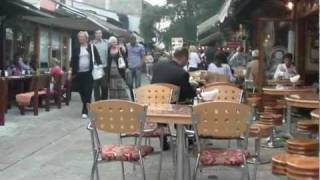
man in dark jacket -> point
(172, 72)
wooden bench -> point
(39, 88)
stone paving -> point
(56, 146)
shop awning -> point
(224, 11)
(211, 22)
(207, 25)
(209, 39)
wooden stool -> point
(306, 147)
(271, 119)
(259, 131)
(302, 167)
(309, 127)
(279, 163)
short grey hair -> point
(85, 33)
(113, 39)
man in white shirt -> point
(287, 69)
(100, 85)
(194, 59)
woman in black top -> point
(82, 66)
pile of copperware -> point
(306, 147)
(300, 162)
(272, 115)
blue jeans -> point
(134, 76)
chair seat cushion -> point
(220, 156)
(124, 152)
(152, 133)
(25, 98)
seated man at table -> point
(172, 72)
(287, 69)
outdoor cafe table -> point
(180, 115)
(310, 101)
(287, 90)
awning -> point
(207, 25)
(211, 22)
(64, 22)
(224, 11)
(209, 39)
(94, 23)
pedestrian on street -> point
(116, 74)
(82, 66)
(136, 54)
(100, 85)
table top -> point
(18, 77)
(169, 113)
(310, 100)
(287, 90)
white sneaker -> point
(84, 116)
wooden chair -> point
(3, 99)
(227, 93)
(175, 91)
(39, 88)
(154, 94)
(117, 116)
(222, 120)
(214, 78)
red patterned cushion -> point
(124, 152)
(153, 133)
(220, 156)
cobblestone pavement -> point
(56, 146)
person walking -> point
(115, 73)
(100, 85)
(136, 54)
(149, 63)
(82, 66)
(194, 59)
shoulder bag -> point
(121, 62)
(97, 71)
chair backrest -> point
(222, 119)
(153, 94)
(215, 77)
(118, 116)
(40, 82)
(227, 93)
(175, 91)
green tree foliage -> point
(184, 15)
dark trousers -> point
(85, 89)
(100, 87)
(193, 69)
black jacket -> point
(170, 72)
(74, 64)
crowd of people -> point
(122, 65)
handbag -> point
(97, 71)
(121, 62)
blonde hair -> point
(113, 39)
(193, 49)
(84, 33)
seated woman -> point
(217, 66)
(287, 69)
